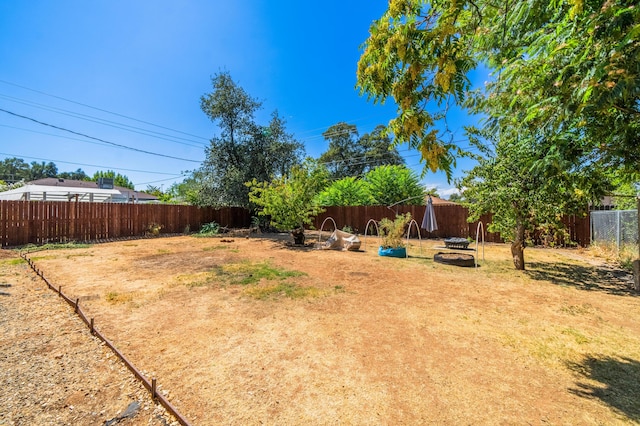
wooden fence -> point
(451, 218)
(41, 222)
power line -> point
(98, 139)
(89, 165)
(102, 110)
(104, 122)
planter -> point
(393, 252)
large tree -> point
(527, 185)
(351, 155)
(379, 149)
(345, 156)
(244, 150)
(14, 169)
(573, 63)
(393, 184)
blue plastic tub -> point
(393, 252)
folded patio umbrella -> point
(429, 220)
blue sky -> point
(132, 73)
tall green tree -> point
(527, 184)
(244, 150)
(351, 155)
(349, 191)
(392, 184)
(14, 170)
(379, 149)
(42, 170)
(345, 156)
(571, 62)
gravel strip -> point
(52, 370)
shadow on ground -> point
(617, 383)
(592, 278)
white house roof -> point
(57, 193)
(56, 189)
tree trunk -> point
(298, 236)
(517, 248)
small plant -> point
(347, 229)
(393, 230)
(154, 229)
(211, 228)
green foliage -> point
(79, 174)
(571, 66)
(290, 201)
(392, 231)
(349, 191)
(527, 184)
(118, 179)
(251, 273)
(185, 192)
(211, 228)
(14, 170)
(383, 185)
(350, 155)
(391, 184)
(244, 151)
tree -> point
(79, 174)
(118, 179)
(42, 170)
(13, 170)
(391, 184)
(525, 185)
(229, 105)
(570, 62)
(244, 151)
(345, 156)
(379, 149)
(349, 191)
(290, 200)
(350, 155)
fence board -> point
(41, 222)
(451, 219)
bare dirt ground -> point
(351, 338)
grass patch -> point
(12, 262)
(164, 251)
(114, 297)
(283, 289)
(36, 258)
(221, 247)
(54, 246)
(251, 273)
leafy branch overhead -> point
(562, 60)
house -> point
(56, 189)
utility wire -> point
(98, 139)
(101, 110)
(104, 122)
(89, 165)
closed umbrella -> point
(429, 220)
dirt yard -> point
(252, 331)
